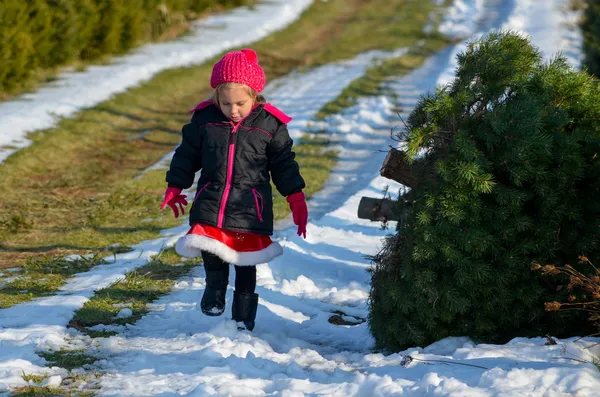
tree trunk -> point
(396, 167)
(374, 209)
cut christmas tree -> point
(506, 175)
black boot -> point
(213, 301)
(244, 308)
(217, 278)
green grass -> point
(75, 384)
(372, 82)
(79, 188)
(67, 359)
(34, 378)
(135, 291)
(41, 276)
(140, 287)
(38, 391)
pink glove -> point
(173, 197)
(299, 211)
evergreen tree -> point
(508, 175)
(65, 27)
(40, 29)
(133, 25)
(88, 19)
(109, 29)
(16, 45)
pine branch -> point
(587, 336)
(571, 358)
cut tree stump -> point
(397, 168)
(374, 209)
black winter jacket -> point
(234, 190)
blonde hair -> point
(250, 91)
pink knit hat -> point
(239, 67)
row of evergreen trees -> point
(48, 33)
(507, 167)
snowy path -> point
(294, 350)
(27, 328)
(75, 91)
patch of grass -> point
(372, 82)
(77, 383)
(33, 378)
(42, 276)
(38, 391)
(15, 224)
(341, 29)
(80, 187)
(139, 288)
(68, 359)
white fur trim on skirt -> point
(191, 245)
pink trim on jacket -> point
(284, 118)
(259, 206)
(257, 129)
(202, 105)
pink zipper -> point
(230, 160)
(259, 208)
(198, 194)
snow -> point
(294, 349)
(74, 91)
(52, 381)
(550, 25)
(461, 18)
(125, 313)
(319, 86)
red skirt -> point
(238, 248)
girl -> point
(239, 142)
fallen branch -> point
(408, 359)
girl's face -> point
(235, 102)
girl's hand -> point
(173, 197)
(299, 211)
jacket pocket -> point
(198, 194)
(259, 203)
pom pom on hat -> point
(239, 67)
(251, 55)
